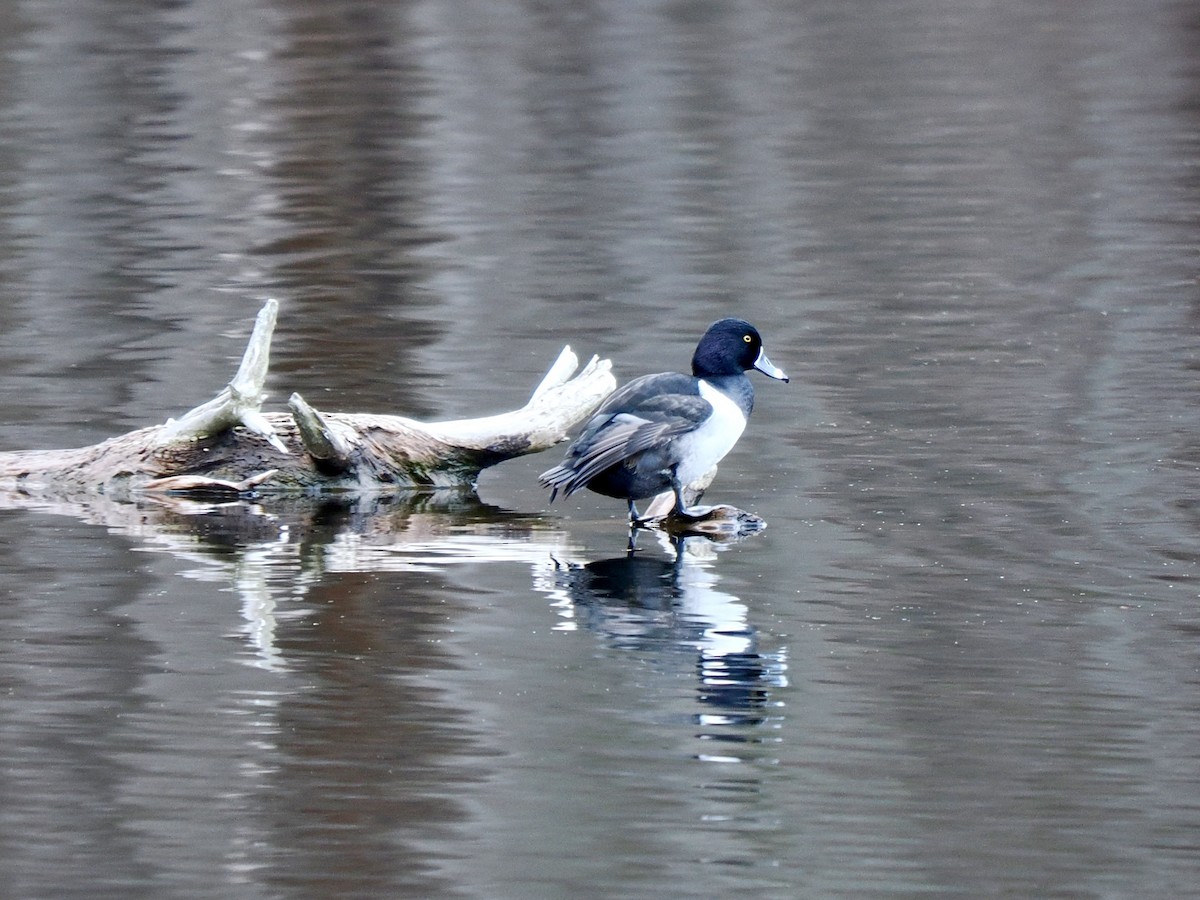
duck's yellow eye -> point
(747, 338)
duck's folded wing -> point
(606, 445)
(620, 438)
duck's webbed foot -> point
(637, 520)
(691, 513)
(667, 505)
(684, 513)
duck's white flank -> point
(703, 448)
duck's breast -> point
(706, 445)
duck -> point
(662, 432)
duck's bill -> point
(768, 368)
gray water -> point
(962, 659)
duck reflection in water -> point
(670, 608)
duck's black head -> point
(730, 347)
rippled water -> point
(961, 660)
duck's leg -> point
(636, 524)
(637, 520)
(682, 510)
(667, 505)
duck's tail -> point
(560, 478)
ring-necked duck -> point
(662, 432)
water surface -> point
(960, 660)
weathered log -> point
(228, 445)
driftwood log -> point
(229, 446)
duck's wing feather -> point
(622, 437)
(644, 413)
(645, 394)
(626, 437)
